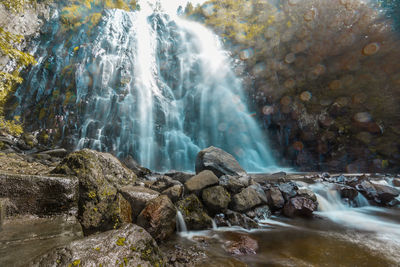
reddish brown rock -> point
(242, 244)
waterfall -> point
(180, 222)
(146, 84)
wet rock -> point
(193, 213)
(218, 161)
(239, 219)
(234, 183)
(288, 190)
(221, 220)
(216, 198)
(260, 213)
(396, 182)
(367, 189)
(260, 192)
(347, 191)
(100, 176)
(174, 192)
(130, 245)
(182, 177)
(40, 195)
(275, 198)
(200, 181)
(58, 153)
(242, 244)
(307, 194)
(385, 193)
(245, 200)
(158, 218)
(138, 197)
(299, 206)
(133, 165)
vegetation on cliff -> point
(322, 75)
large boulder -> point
(219, 162)
(299, 207)
(40, 195)
(385, 194)
(275, 198)
(193, 213)
(200, 181)
(158, 218)
(234, 183)
(130, 245)
(138, 197)
(216, 198)
(100, 175)
(246, 199)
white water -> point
(180, 222)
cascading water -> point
(144, 83)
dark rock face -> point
(242, 244)
(299, 206)
(100, 176)
(234, 183)
(130, 245)
(245, 200)
(218, 161)
(216, 198)
(132, 164)
(200, 181)
(193, 213)
(275, 198)
(180, 176)
(138, 197)
(158, 218)
(174, 192)
(40, 195)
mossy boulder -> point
(216, 198)
(193, 213)
(130, 245)
(100, 176)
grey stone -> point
(303, 192)
(218, 161)
(174, 192)
(200, 181)
(275, 198)
(234, 183)
(245, 200)
(299, 206)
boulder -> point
(134, 166)
(158, 218)
(367, 189)
(245, 200)
(130, 245)
(193, 213)
(347, 191)
(200, 181)
(138, 197)
(385, 194)
(288, 190)
(40, 195)
(218, 161)
(303, 192)
(242, 244)
(180, 176)
(275, 198)
(216, 198)
(101, 176)
(299, 206)
(174, 192)
(238, 219)
(234, 183)
(260, 192)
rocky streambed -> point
(86, 208)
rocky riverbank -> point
(137, 209)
